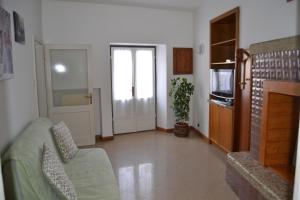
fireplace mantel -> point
(291, 88)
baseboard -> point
(207, 140)
(164, 130)
(203, 137)
(219, 147)
(101, 138)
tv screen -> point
(222, 82)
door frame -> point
(43, 77)
(111, 79)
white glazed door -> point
(133, 81)
(69, 90)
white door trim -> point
(140, 124)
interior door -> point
(69, 90)
(243, 103)
(133, 78)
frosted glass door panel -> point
(122, 74)
(69, 77)
(144, 74)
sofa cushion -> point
(55, 173)
(91, 173)
(64, 141)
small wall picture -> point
(19, 28)
(6, 64)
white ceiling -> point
(185, 5)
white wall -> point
(297, 170)
(260, 20)
(18, 102)
(100, 25)
(161, 86)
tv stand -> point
(222, 103)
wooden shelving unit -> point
(224, 34)
(224, 41)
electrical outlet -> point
(198, 125)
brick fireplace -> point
(267, 171)
(279, 127)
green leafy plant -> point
(181, 92)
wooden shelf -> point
(223, 63)
(224, 43)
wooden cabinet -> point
(221, 126)
(225, 128)
(213, 122)
(182, 61)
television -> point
(222, 83)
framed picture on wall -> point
(6, 64)
(19, 28)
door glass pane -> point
(122, 74)
(69, 77)
(144, 74)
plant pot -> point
(181, 129)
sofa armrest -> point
(11, 181)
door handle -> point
(90, 97)
(132, 91)
(242, 60)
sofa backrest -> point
(22, 169)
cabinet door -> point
(182, 61)
(225, 128)
(213, 122)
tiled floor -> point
(159, 166)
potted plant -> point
(181, 92)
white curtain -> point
(122, 74)
(145, 91)
(144, 74)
